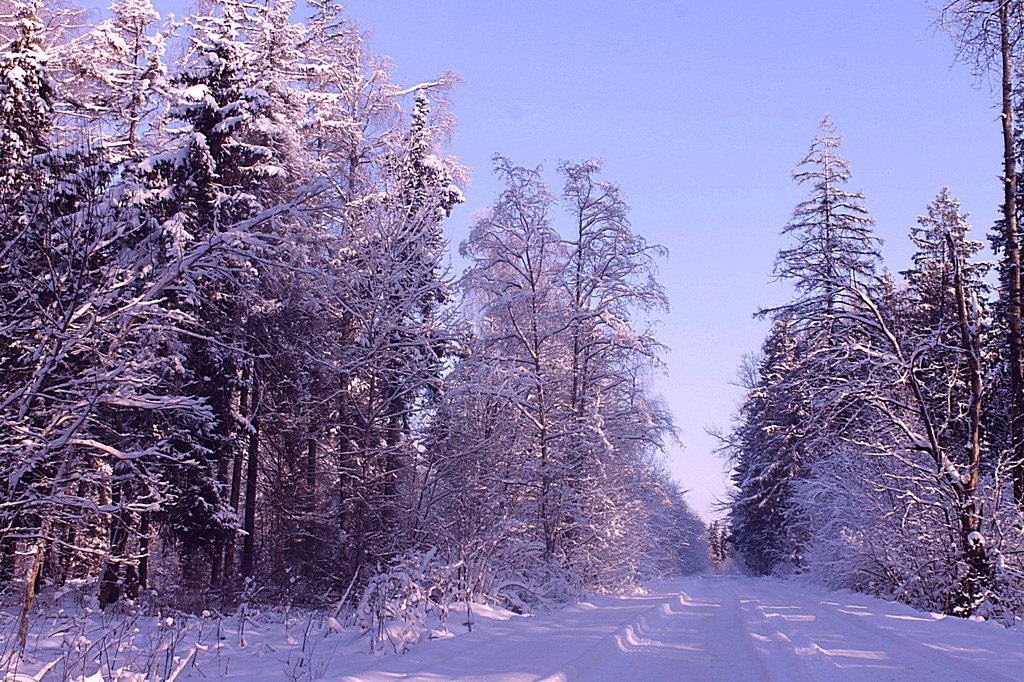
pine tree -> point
(832, 261)
(768, 455)
(946, 333)
(28, 97)
(78, 309)
(933, 318)
(834, 245)
(225, 170)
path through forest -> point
(715, 628)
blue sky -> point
(700, 111)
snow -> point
(699, 628)
(716, 628)
(196, 93)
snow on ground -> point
(718, 628)
(698, 628)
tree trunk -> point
(249, 543)
(1012, 259)
(110, 582)
(236, 484)
(8, 559)
(311, 472)
(976, 555)
(144, 551)
(30, 591)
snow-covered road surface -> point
(714, 628)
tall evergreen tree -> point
(767, 455)
(225, 170)
(834, 254)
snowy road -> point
(715, 628)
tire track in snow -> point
(684, 637)
(847, 646)
(715, 628)
(770, 657)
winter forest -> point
(880, 446)
(240, 376)
(235, 368)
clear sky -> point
(701, 110)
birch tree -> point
(987, 34)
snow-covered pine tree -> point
(948, 288)
(718, 545)
(932, 405)
(767, 454)
(903, 414)
(223, 169)
(28, 99)
(833, 253)
(833, 241)
(422, 188)
(77, 310)
(932, 311)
